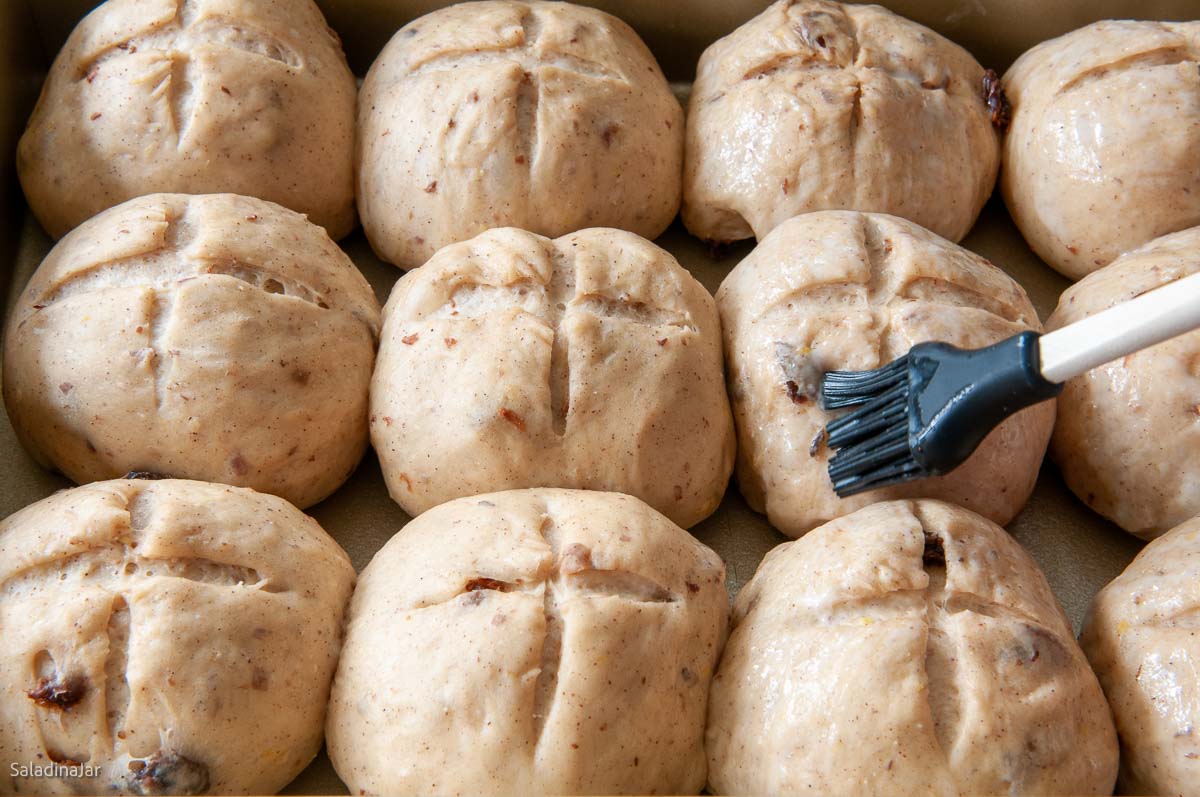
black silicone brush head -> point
(871, 442)
(924, 413)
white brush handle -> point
(1130, 326)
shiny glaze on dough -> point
(909, 648)
(1103, 153)
(845, 290)
(816, 105)
(1142, 634)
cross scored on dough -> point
(171, 42)
(804, 61)
(532, 60)
(830, 47)
(1155, 57)
(558, 299)
(147, 270)
(571, 573)
(945, 647)
(102, 567)
(884, 288)
(881, 289)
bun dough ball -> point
(1104, 149)
(530, 642)
(200, 96)
(1127, 432)
(212, 337)
(546, 116)
(912, 648)
(176, 637)
(845, 290)
(590, 361)
(817, 105)
(1143, 639)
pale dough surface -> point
(179, 636)
(590, 361)
(530, 642)
(213, 337)
(912, 647)
(816, 105)
(198, 96)
(550, 117)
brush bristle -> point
(850, 388)
(925, 413)
(871, 441)
(879, 477)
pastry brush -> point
(924, 413)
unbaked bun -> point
(1142, 635)
(844, 290)
(1104, 149)
(910, 648)
(546, 116)
(817, 105)
(530, 642)
(211, 337)
(175, 637)
(1127, 432)
(199, 96)
(591, 361)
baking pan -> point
(1078, 550)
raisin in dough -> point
(213, 337)
(817, 105)
(178, 636)
(912, 648)
(550, 117)
(199, 96)
(530, 642)
(1142, 635)
(844, 290)
(1104, 149)
(591, 361)
(1127, 432)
